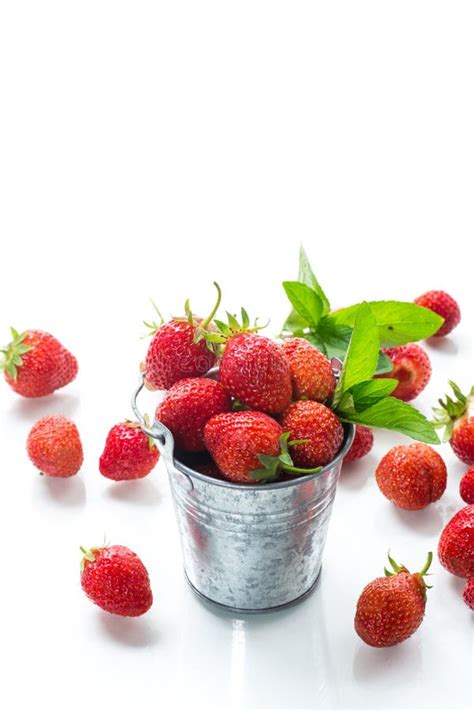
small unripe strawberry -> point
(128, 453)
(468, 594)
(311, 372)
(35, 364)
(466, 487)
(116, 580)
(54, 446)
(362, 444)
(443, 304)
(456, 544)
(319, 426)
(411, 476)
(412, 369)
(186, 408)
(390, 609)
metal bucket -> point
(249, 548)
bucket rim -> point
(349, 433)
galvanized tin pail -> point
(249, 548)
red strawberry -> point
(54, 446)
(412, 369)
(116, 580)
(456, 545)
(312, 421)
(36, 364)
(128, 453)
(468, 594)
(362, 444)
(390, 609)
(311, 371)
(236, 439)
(457, 416)
(466, 487)
(179, 349)
(443, 304)
(186, 408)
(411, 476)
(255, 371)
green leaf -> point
(384, 365)
(361, 359)
(336, 342)
(305, 301)
(371, 391)
(399, 322)
(393, 414)
(306, 276)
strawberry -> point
(362, 444)
(116, 580)
(179, 349)
(319, 427)
(412, 369)
(411, 476)
(443, 304)
(36, 364)
(457, 417)
(54, 446)
(311, 372)
(390, 609)
(128, 453)
(468, 594)
(249, 447)
(186, 408)
(466, 487)
(456, 544)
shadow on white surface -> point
(354, 475)
(141, 491)
(373, 665)
(443, 345)
(66, 492)
(457, 584)
(31, 409)
(428, 521)
(129, 631)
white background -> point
(147, 149)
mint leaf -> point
(384, 365)
(305, 301)
(306, 276)
(361, 358)
(371, 391)
(399, 322)
(336, 342)
(393, 414)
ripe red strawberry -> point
(390, 609)
(54, 446)
(312, 421)
(443, 304)
(179, 349)
(255, 371)
(128, 453)
(36, 364)
(186, 408)
(457, 417)
(456, 544)
(311, 372)
(362, 444)
(468, 594)
(466, 487)
(412, 369)
(116, 580)
(411, 476)
(236, 439)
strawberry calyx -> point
(136, 425)
(13, 352)
(153, 326)
(88, 556)
(451, 410)
(274, 465)
(396, 569)
(233, 327)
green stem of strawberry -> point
(299, 470)
(208, 320)
(426, 566)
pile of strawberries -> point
(260, 410)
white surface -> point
(147, 149)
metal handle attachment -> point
(163, 437)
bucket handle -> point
(163, 438)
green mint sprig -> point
(397, 322)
